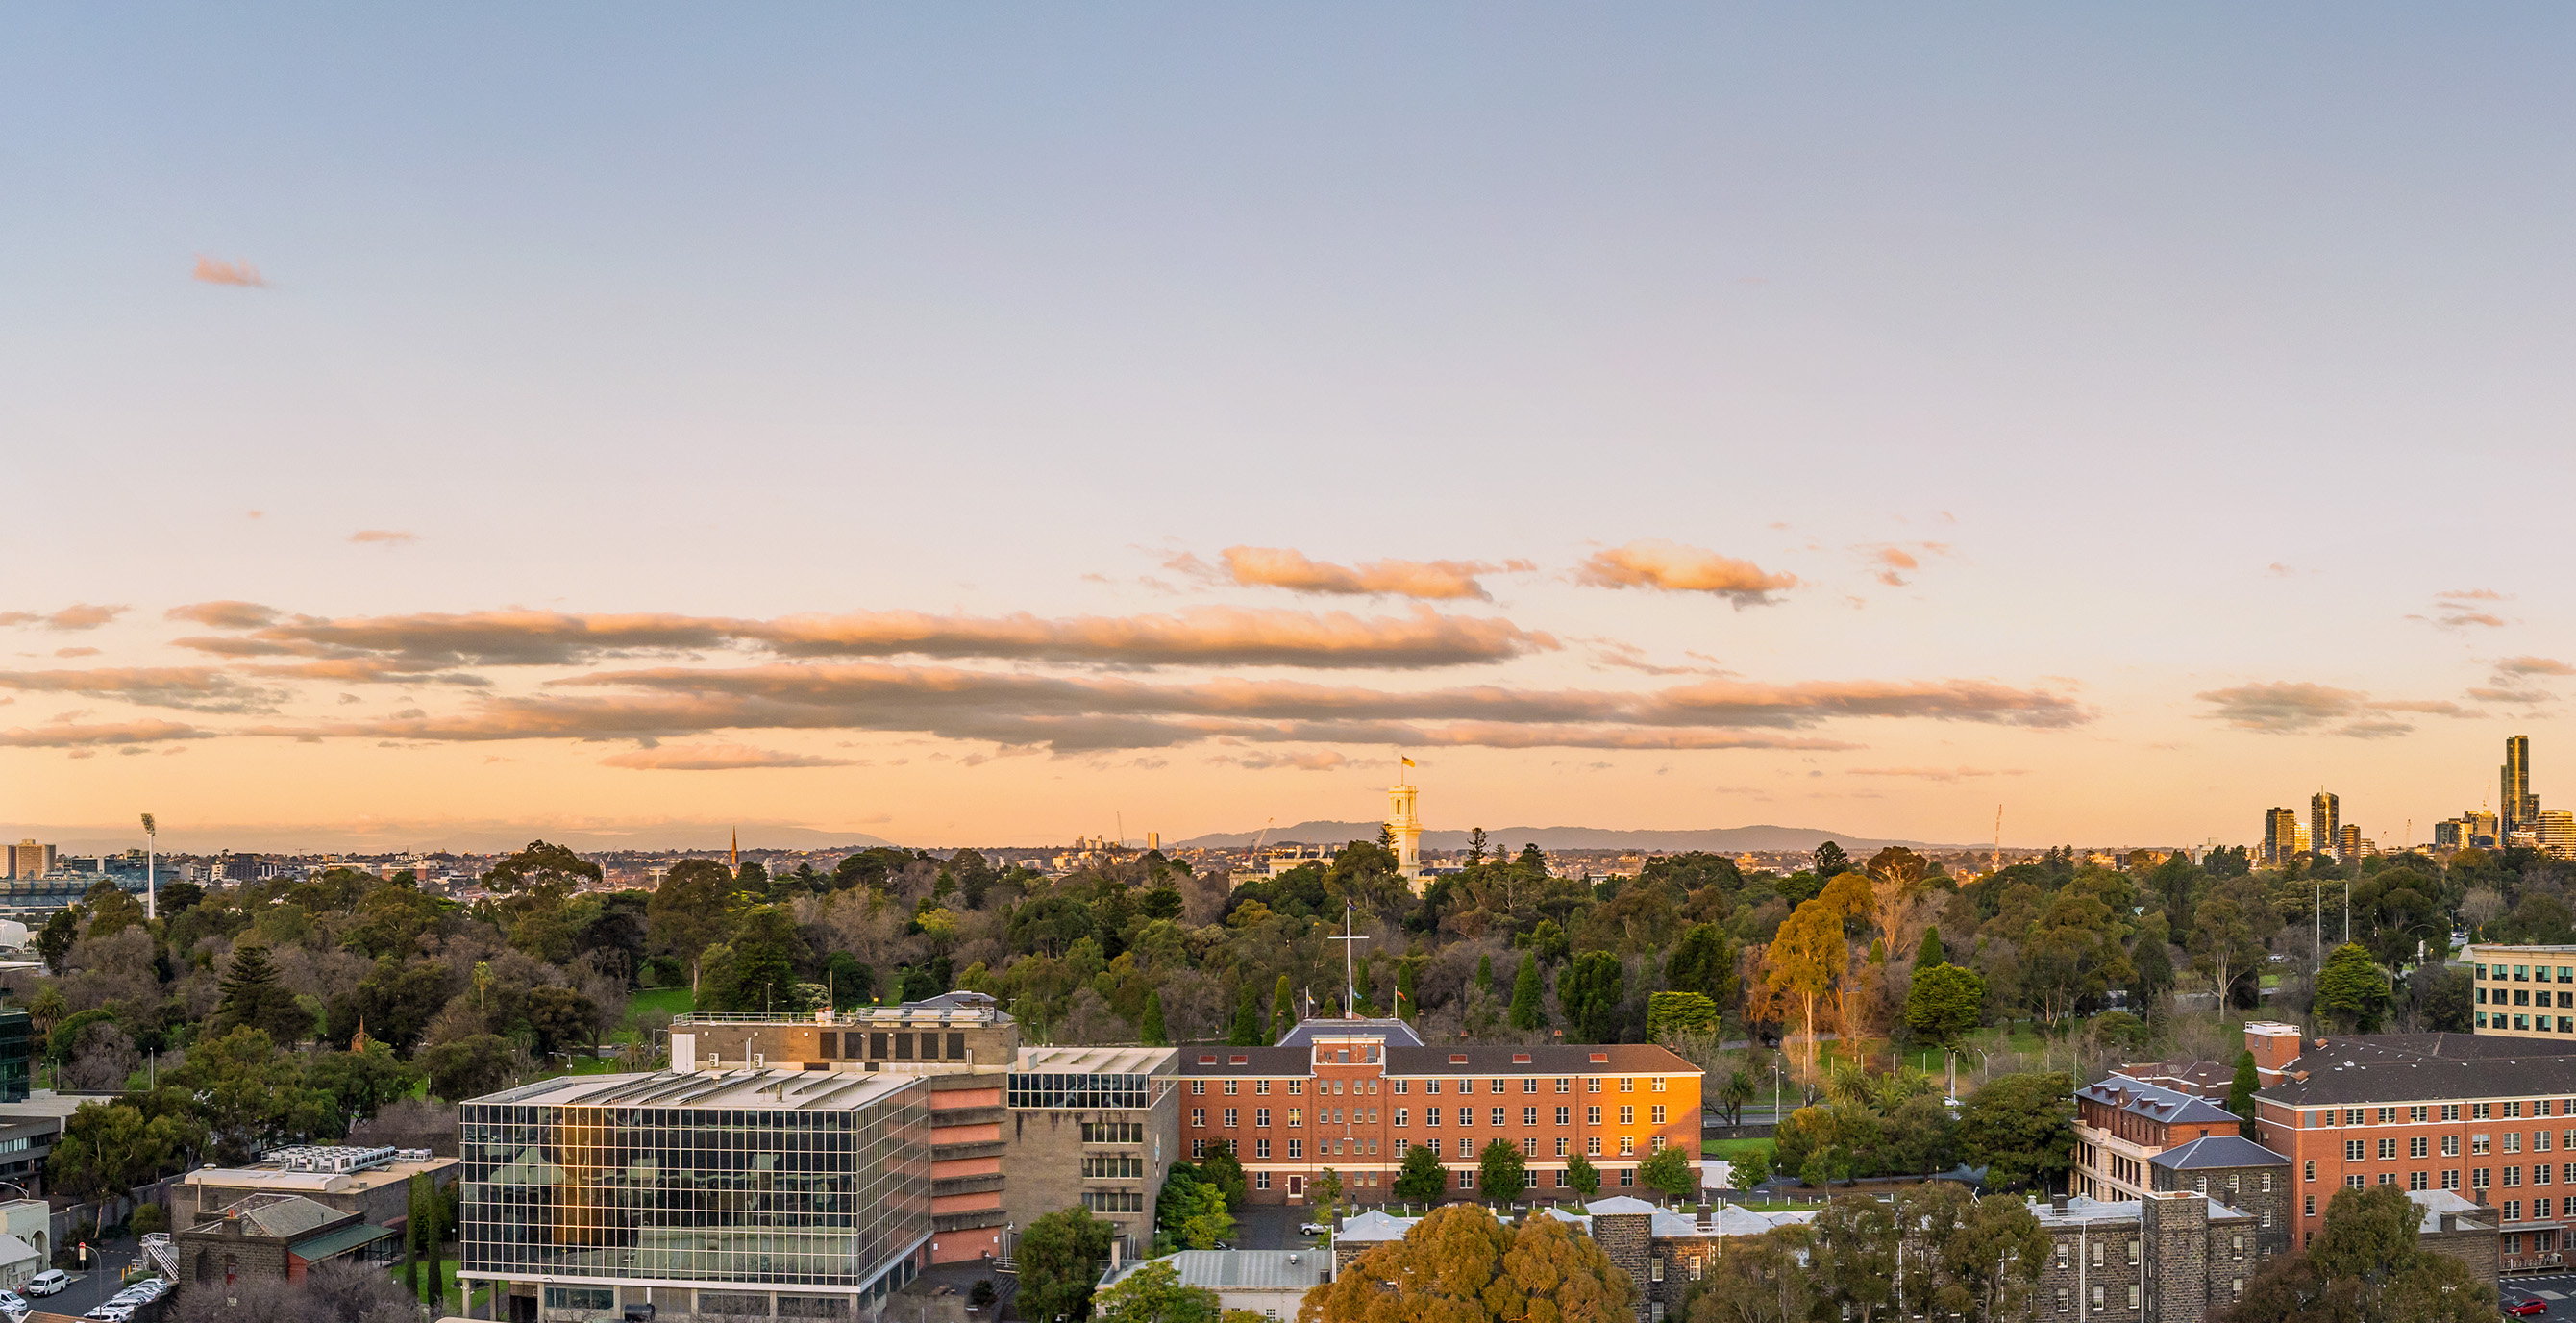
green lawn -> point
(447, 1284)
(1730, 1149)
(1784, 1206)
(669, 1001)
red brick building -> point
(1357, 1095)
(2492, 1119)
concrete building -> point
(771, 1191)
(30, 860)
(26, 1240)
(2281, 831)
(1271, 1283)
(373, 1183)
(1355, 1095)
(2519, 807)
(2523, 991)
(2325, 821)
(1094, 1126)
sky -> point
(966, 424)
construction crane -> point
(1265, 835)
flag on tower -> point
(1406, 761)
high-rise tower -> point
(2516, 805)
(2325, 823)
(2280, 835)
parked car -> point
(2526, 1307)
(111, 1312)
(14, 1307)
(48, 1282)
(1312, 1229)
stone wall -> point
(2176, 1233)
(1628, 1238)
(2275, 1209)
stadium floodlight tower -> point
(151, 829)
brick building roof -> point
(2218, 1151)
(2385, 1068)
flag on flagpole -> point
(1406, 761)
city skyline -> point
(950, 427)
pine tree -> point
(1283, 1011)
(1247, 1020)
(1404, 1007)
(1153, 1031)
(251, 995)
(2240, 1092)
(1525, 995)
(1931, 952)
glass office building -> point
(786, 1193)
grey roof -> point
(1569, 1059)
(1617, 1205)
(1239, 1270)
(1396, 1032)
(2218, 1151)
(2081, 1211)
(1219, 1059)
(2155, 1102)
(1093, 1060)
(285, 1216)
(1374, 1225)
(2437, 1202)
(769, 1089)
(2388, 1068)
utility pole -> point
(1350, 975)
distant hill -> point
(1729, 840)
(466, 838)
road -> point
(2559, 1293)
(104, 1279)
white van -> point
(48, 1282)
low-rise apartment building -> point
(2122, 1123)
(2523, 991)
(2483, 1116)
(1357, 1095)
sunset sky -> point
(962, 424)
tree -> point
(1247, 1031)
(1502, 1172)
(1583, 1176)
(1931, 952)
(1421, 1179)
(1222, 1169)
(109, 1148)
(2021, 1128)
(2223, 943)
(1325, 1192)
(253, 997)
(1152, 1292)
(2352, 989)
(1680, 1013)
(251, 1096)
(1526, 992)
(1283, 1010)
(1152, 1031)
(1855, 1260)
(1460, 1265)
(2367, 1266)
(1703, 962)
(1944, 1003)
(1671, 1172)
(560, 1018)
(1831, 862)
(54, 941)
(470, 1066)
(1805, 958)
(1748, 1169)
(1190, 1213)
(687, 912)
(361, 1083)
(1760, 1279)
(1591, 991)
(2240, 1093)
(1060, 1255)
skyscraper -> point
(2325, 822)
(2515, 803)
(2348, 845)
(2280, 834)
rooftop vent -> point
(1207, 1058)
(1238, 1059)
(1520, 1058)
(1457, 1058)
(1601, 1057)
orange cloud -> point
(79, 615)
(2287, 708)
(243, 274)
(1100, 713)
(1672, 567)
(1214, 636)
(713, 758)
(1279, 567)
(1937, 773)
(70, 735)
(201, 688)
(223, 615)
(389, 536)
